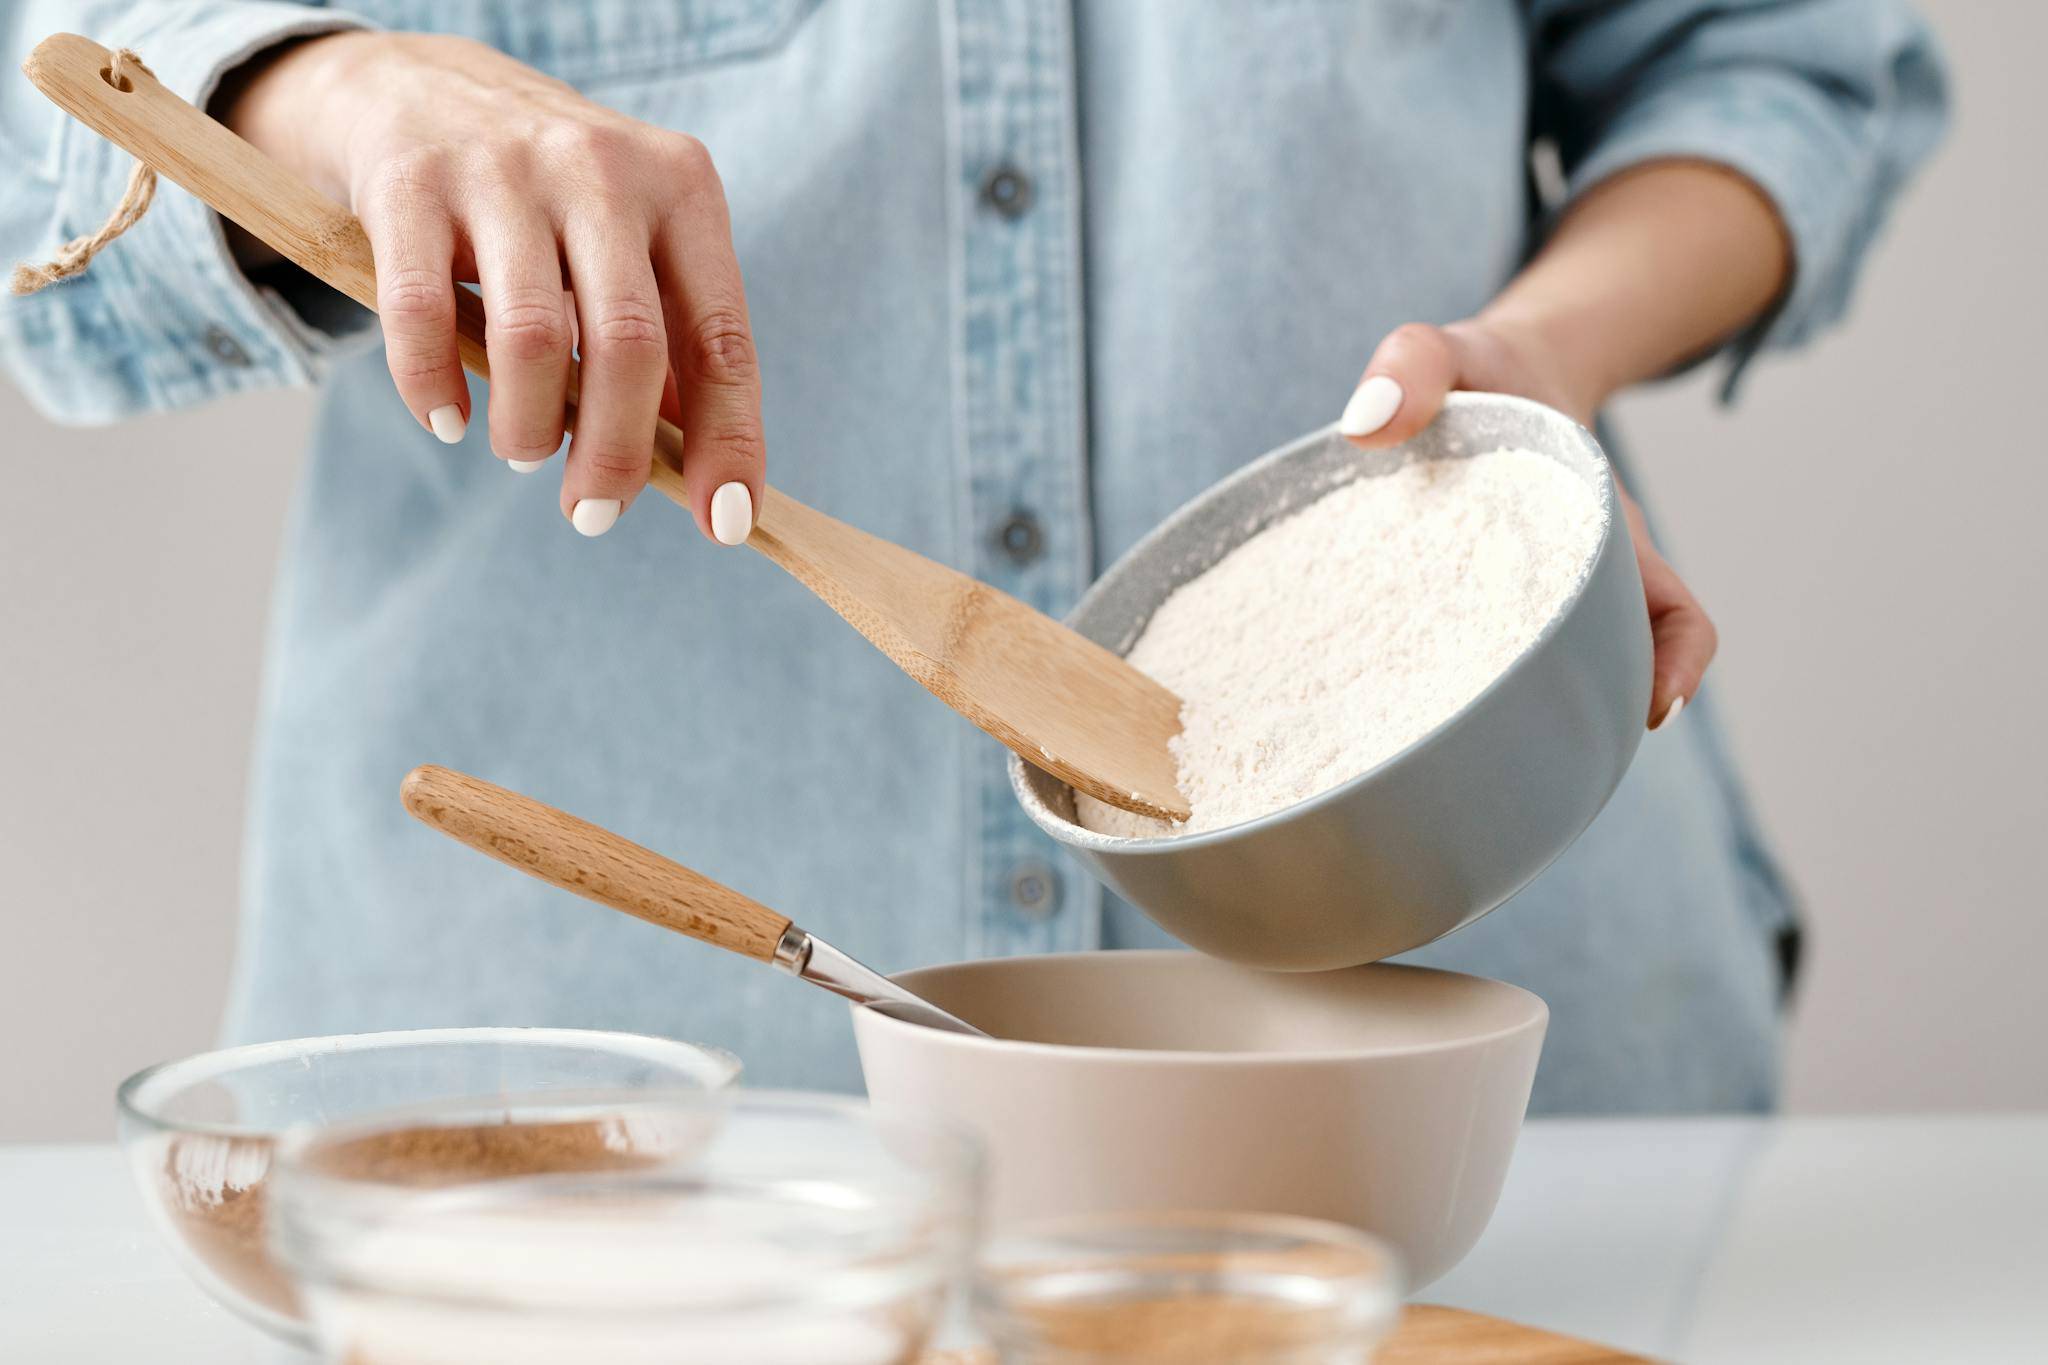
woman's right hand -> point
(587, 230)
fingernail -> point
(447, 422)
(1371, 407)
(732, 513)
(1670, 714)
(528, 466)
(595, 516)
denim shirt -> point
(1025, 275)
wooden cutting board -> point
(1450, 1336)
(1440, 1336)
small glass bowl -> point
(746, 1229)
(1186, 1289)
(199, 1133)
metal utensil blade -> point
(818, 962)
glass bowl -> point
(750, 1229)
(1186, 1289)
(199, 1134)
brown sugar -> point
(221, 1218)
(215, 1189)
(1179, 1331)
(1197, 1322)
(1218, 1330)
(432, 1156)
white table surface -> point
(1699, 1240)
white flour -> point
(1335, 638)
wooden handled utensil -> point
(1058, 700)
(598, 865)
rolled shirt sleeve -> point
(1827, 106)
(164, 317)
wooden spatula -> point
(1059, 701)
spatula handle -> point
(244, 185)
(592, 862)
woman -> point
(1019, 279)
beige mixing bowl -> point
(1385, 1097)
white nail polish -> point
(1371, 407)
(732, 513)
(447, 422)
(1670, 713)
(595, 516)
(528, 466)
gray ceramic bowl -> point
(1443, 831)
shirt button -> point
(1020, 538)
(1035, 890)
(1007, 190)
(225, 348)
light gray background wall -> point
(1867, 529)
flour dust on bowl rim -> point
(1444, 830)
(1387, 1098)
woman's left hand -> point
(1402, 392)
